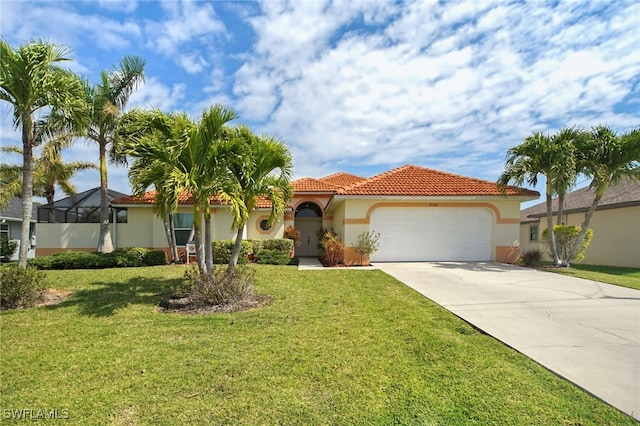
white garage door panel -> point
(432, 234)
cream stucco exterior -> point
(352, 216)
(616, 236)
(144, 229)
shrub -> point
(155, 258)
(119, 258)
(256, 246)
(566, 237)
(332, 249)
(368, 243)
(281, 245)
(7, 247)
(531, 257)
(20, 287)
(221, 287)
(222, 251)
(273, 257)
(292, 234)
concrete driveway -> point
(585, 331)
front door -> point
(308, 227)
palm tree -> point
(178, 156)
(106, 102)
(606, 158)
(540, 154)
(566, 141)
(261, 168)
(50, 171)
(38, 91)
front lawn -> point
(618, 275)
(334, 347)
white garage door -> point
(432, 234)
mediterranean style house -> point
(615, 224)
(421, 214)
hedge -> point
(119, 258)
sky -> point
(358, 86)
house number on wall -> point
(433, 204)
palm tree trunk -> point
(552, 237)
(208, 249)
(105, 245)
(27, 189)
(173, 243)
(167, 232)
(197, 226)
(50, 195)
(235, 254)
(560, 220)
(585, 226)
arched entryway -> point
(308, 220)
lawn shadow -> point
(106, 298)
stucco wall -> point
(254, 232)
(616, 236)
(505, 231)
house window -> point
(183, 223)
(264, 225)
(533, 233)
(4, 230)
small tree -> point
(368, 243)
(566, 238)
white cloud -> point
(124, 6)
(192, 27)
(154, 94)
(53, 21)
(435, 80)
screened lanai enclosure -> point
(81, 208)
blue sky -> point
(360, 87)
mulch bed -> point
(186, 306)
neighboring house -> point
(421, 215)
(615, 224)
(73, 223)
(11, 225)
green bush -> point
(155, 257)
(282, 245)
(7, 247)
(566, 236)
(532, 257)
(222, 251)
(20, 287)
(222, 287)
(367, 244)
(119, 258)
(256, 246)
(273, 257)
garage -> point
(432, 234)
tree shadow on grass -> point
(104, 299)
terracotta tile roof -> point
(419, 181)
(342, 179)
(625, 193)
(312, 185)
(184, 198)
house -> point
(73, 223)
(421, 214)
(11, 225)
(615, 224)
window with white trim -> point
(183, 223)
(533, 233)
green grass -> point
(334, 347)
(618, 275)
